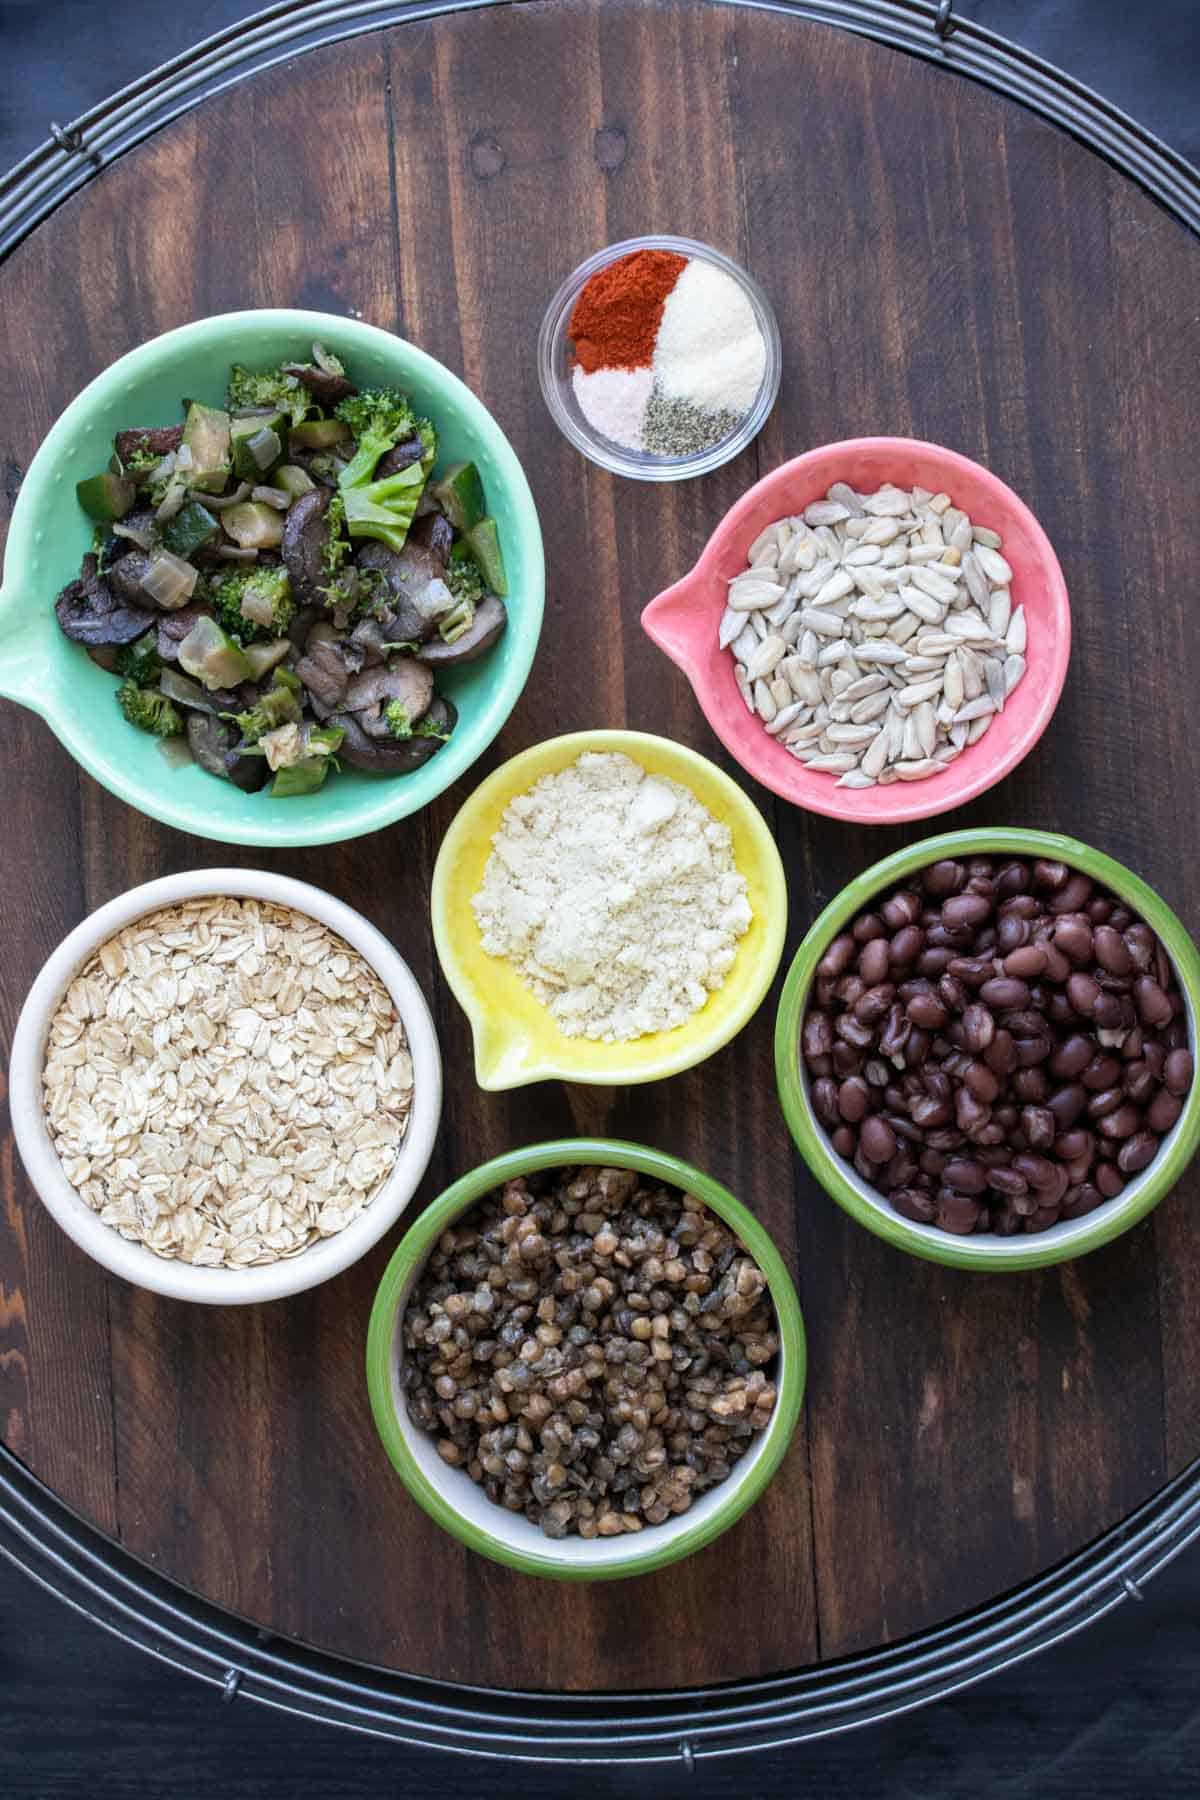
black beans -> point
(878, 1140)
(979, 1027)
(997, 1046)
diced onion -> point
(142, 539)
(183, 690)
(272, 496)
(258, 607)
(183, 457)
(170, 581)
(235, 553)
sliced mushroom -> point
(213, 744)
(416, 592)
(89, 614)
(436, 534)
(126, 575)
(486, 627)
(400, 456)
(323, 671)
(389, 755)
(305, 540)
(369, 642)
(324, 386)
(405, 680)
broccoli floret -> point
(464, 581)
(268, 387)
(337, 549)
(379, 419)
(140, 661)
(142, 458)
(397, 720)
(148, 711)
(383, 509)
(429, 727)
(428, 436)
(280, 705)
(260, 588)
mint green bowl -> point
(1062, 1242)
(49, 533)
(459, 1504)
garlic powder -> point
(616, 896)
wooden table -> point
(942, 264)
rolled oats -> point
(227, 1081)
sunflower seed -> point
(854, 778)
(787, 715)
(993, 565)
(977, 728)
(836, 762)
(981, 708)
(953, 683)
(1014, 668)
(844, 495)
(731, 624)
(918, 770)
(999, 612)
(764, 704)
(935, 585)
(766, 657)
(826, 512)
(1014, 637)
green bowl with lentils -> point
(648, 1412)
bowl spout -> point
(22, 669)
(678, 622)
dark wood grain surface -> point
(941, 264)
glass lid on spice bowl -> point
(659, 358)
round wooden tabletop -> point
(943, 265)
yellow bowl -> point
(516, 1039)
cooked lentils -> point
(594, 1350)
(997, 1046)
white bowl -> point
(133, 1261)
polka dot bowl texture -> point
(555, 365)
(134, 1262)
(457, 1503)
(1060, 1242)
(683, 621)
(517, 1040)
(49, 533)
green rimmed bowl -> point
(1061, 1242)
(49, 533)
(456, 1502)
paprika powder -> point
(616, 318)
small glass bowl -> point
(555, 367)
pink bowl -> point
(684, 619)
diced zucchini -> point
(303, 777)
(293, 480)
(319, 434)
(191, 528)
(253, 525)
(206, 435)
(483, 541)
(460, 495)
(105, 496)
(211, 656)
(257, 441)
